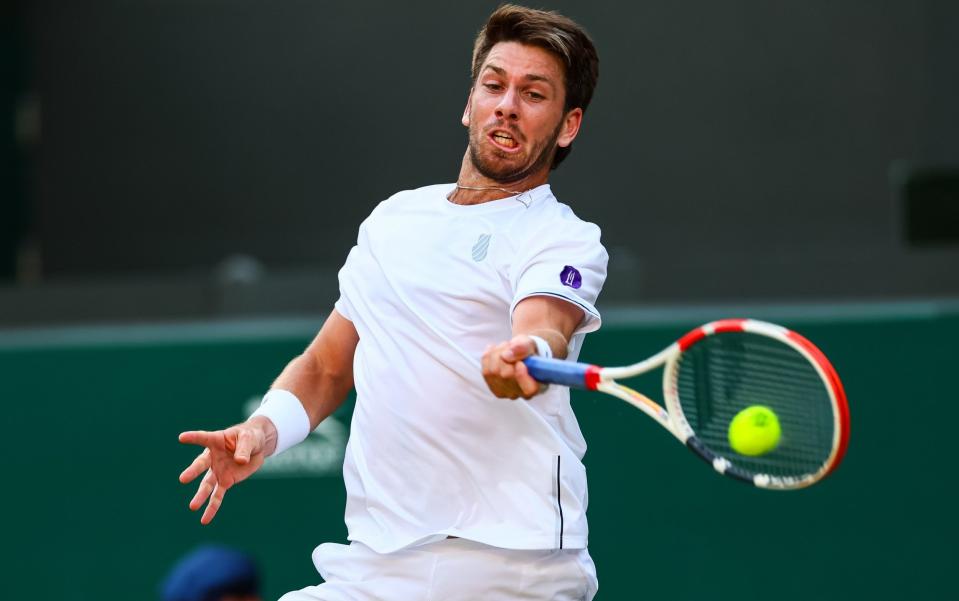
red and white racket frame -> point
(603, 379)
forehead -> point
(522, 59)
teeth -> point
(505, 140)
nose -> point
(508, 107)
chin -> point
(502, 166)
(499, 166)
(502, 174)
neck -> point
(475, 188)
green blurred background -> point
(97, 513)
(180, 181)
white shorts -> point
(449, 570)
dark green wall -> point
(94, 510)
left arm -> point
(552, 319)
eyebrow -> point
(530, 77)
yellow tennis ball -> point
(754, 431)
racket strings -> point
(725, 373)
(795, 453)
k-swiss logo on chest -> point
(481, 247)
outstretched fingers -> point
(200, 464)
(203, 491)
(216, 499)
(200, 437)
(226, 450)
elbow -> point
(331, 373)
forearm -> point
(319, 388)
(312, 386)
(551, 319)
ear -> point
(571, 123)
(466, 112)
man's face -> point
(515, 113)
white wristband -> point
(288, 415)
(542, 347)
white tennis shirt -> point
(432, 453)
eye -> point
(493, 87)
(536, 96)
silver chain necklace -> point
(481, 188)
(516, 193)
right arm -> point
(320, 378)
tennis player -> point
(455, 492)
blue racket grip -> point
(564, 373)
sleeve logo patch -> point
(571, 277)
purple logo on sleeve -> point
(570, 277)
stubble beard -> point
(507, 174)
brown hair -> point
(553, 32)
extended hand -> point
(230, 457)
(504, 370)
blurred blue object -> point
(209, 573)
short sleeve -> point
(347, 274)
(343, 307)
(568, 262)
(351, 272)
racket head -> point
(725, 366)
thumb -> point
(245, 446)
(519, 348)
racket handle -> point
(564, 373)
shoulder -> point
(404, 204)
(552, 220)
(414, 198)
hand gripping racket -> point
(719, 369)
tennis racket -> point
(717, 370)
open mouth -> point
(504, 139)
